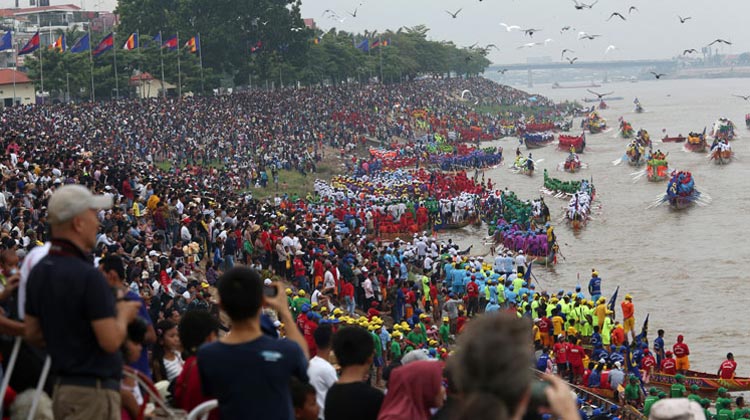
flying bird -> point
(354, 13)
(658, 75)
(689, 51)
(720, 41)
(454, 15)
(610, 48)
(632, 8)
(684, 19)
(581, 6)
(566, 28)
(530, 31)
(571, 60)
(511, 27)
(488, 46)
(743, 97)
(502, 71)
(562, 54)
(599, 95)
(529, 45)
(616, 14)
(584, 35)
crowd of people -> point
(113, 262)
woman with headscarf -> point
(413, 390)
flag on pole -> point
(643, 336)
(156, 39)
(30, 46)
(364, 46)
(105, 45)
(81, 45)
(385, 42)
(316, 40)
(171, 43)
(131, 43)
(613, 300)
(59, 44)
(6, 42)
(375, 44)
(193, 44)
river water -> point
(684, 268)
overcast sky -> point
(654, 31)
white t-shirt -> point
(31, 259)
(322, 376)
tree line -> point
(247, 42)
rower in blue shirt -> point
(595, 286)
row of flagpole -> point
(106, 44)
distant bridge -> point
(553, 65)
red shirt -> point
(347, 289)
(575, 355)
(472, 290)
(680, 349)
(460, 321)
(669, 366)
(648, 362)
(318, 269)
(544, 325)
(561, 352)
(727, 368)
(187, 389)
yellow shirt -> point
(557, 325)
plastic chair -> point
(202, 411)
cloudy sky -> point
(653, 31)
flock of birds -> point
(567, 54)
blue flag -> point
(81, 45)
(643, 336)
(6, 42)
(613, 300)
(527, 274)
(364, 45)
(157, 39)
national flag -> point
(6, 42)
(156, 39)
(364, 46)
(193, 44)
(30, 46)
(171, 43)
(105, 45)
(613, 300)
(385, 42)
(375, 44)
(59, 44)
(255, 48)
(81, 45)
(131, 43)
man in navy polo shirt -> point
(71, 310)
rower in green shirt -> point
(445, 331)
(396, 346)
(653, 397)
(694, 394)
(678, 390)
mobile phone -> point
(270, 291)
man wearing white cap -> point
(71, 311)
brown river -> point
(687, 268)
